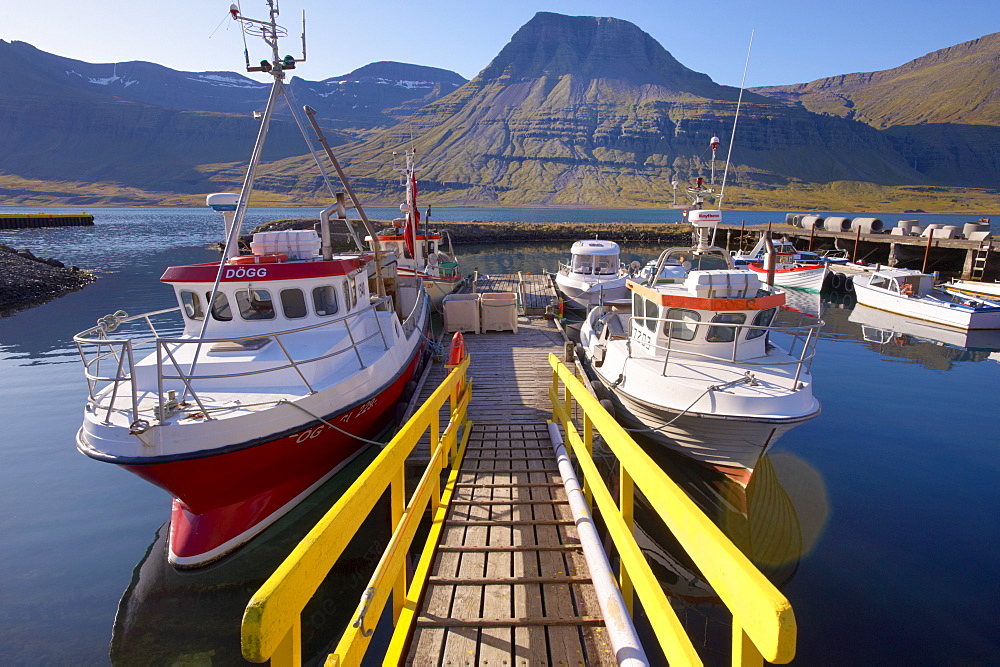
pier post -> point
(893, 254)
(927, 251)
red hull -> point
(222, 500)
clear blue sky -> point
(795, 41)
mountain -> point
(960, 84)
(141, 126)
(573, 111)
(940, 111)
(593, 111)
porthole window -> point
(325, 301)
(255, 304)
(725, 334)
(684, 327)
(220, 307)
(191, 304)
(293, 303)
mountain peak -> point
(589, 47)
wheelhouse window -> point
(220, 307)
(325, 301)
(255, 304)
(762, 319)
(354, 292)
(637, 310)
(191, 304)
(652, 313)
(722, 334)
(683, 326)
(879, 281)
(293, 304)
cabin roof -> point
(595, 247)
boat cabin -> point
(903, 282)
(712, 312)
(440, 263)
(594, 257)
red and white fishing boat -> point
(806, 277)
(420, 251)
(289, 363)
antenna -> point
(739, 102)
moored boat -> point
(974, 288)
(594, 274)
(912, 293)
(419, 250)
(806, 277)
(291, 360)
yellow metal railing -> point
(763, 621)
(272, 625)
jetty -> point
(38, 220)
(494, 481)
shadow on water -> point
(192, 617)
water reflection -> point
(935, 347)
(170, 616)
(774, 521)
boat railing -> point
(801, 349)
(98, 349)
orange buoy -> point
(258, 259)
(457, 350)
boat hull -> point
(585, 295)
(807, 278)
(729, 444)
(223, 497)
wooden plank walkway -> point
(509, 584)
(536, 291)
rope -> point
(748, 379)
(335, 428)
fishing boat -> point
(789, 273)
(783, 247)
(288, 363)
(420, 251)
(913, 294)
(593, 275)
(690, 360)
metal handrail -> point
(805, 357)
(107, 347)
(763, 621)
(272, 623)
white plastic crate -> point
(461, 313)
(499, 311)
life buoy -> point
(906, 289)
(457, 350)
(258, 259)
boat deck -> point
(509, 584)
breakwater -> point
(36, 220)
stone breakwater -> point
(518, 232)
(26, 280)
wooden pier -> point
(38, 220)
(509, 584)
(535, 291)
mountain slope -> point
(959, 84)
(584, 110)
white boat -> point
(912, 293)
(783, 247)
(788, 273)
(691, 365)
(289, 362)
(594, 274)
(973, 288)
(420, 251)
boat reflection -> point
(192, 617)
(934, 346)
(774, 521)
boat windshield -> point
(606, 265)
(697, 261)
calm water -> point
(878, 519)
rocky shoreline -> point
(27, 280)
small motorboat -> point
(913, 294)
(973, 288)
(419, 250)
(288, 363)
(594, 274)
